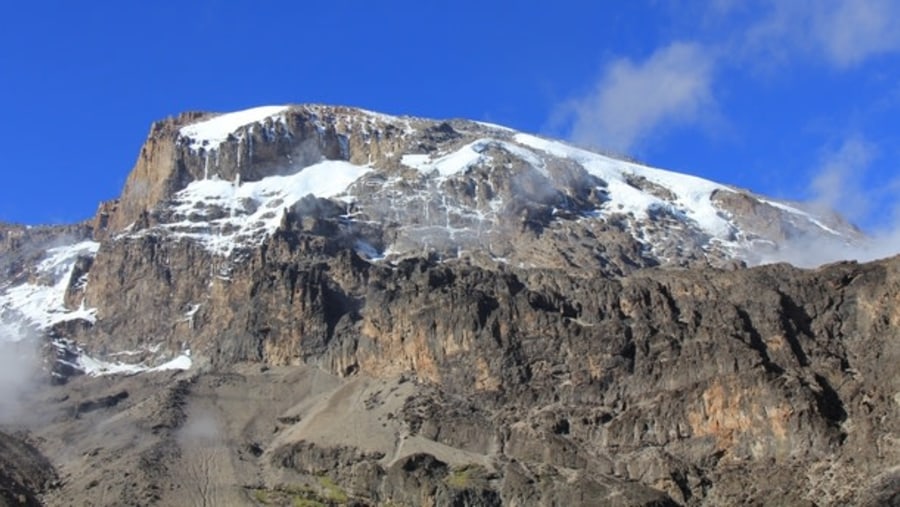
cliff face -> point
(697, 383)
(494, 319)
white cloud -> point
(839, 184)
(633, 100)
(849, 31)
(842, 32)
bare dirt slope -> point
(207, 439)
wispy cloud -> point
(843, 33)
(18, 367)
(839, 184)
(844, 182)
(853, 30)
(633, 100)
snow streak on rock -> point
(40, 304)
(225, 215)
(210, 134)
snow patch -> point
(494, 126)
(692, 194)
(211, 133)
(96, 368)
(450, 164)
(223, 215)
(796, 211)
(192, 311)
(38, 306)
(469, 155)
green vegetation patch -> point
(467, 477)
(261, 496)
(300, 495)
(333, 492)
(308, 502)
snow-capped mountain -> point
(403, 186)
(389, 188)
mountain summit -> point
(402, 186)
(218, 191)
(329, 306)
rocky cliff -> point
(329, 305)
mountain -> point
(326, 304)
(406, 185)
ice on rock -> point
(38, 306)
(211, 133)
(270, 197)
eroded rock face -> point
(683, 381)
(505, 330)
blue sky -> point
(793, 99)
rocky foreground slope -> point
(326, 305)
